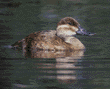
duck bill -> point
(84, 32)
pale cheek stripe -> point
(76, 29)
(62, 26)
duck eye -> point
(70, 23)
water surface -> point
(79, 70)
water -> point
(67, 70)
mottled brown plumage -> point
(59, 39)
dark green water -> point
(20, 18)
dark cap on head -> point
(68, 20)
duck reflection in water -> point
(60, 44)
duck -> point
(63, 38)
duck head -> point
(68, 26)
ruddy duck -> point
(60, 39)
